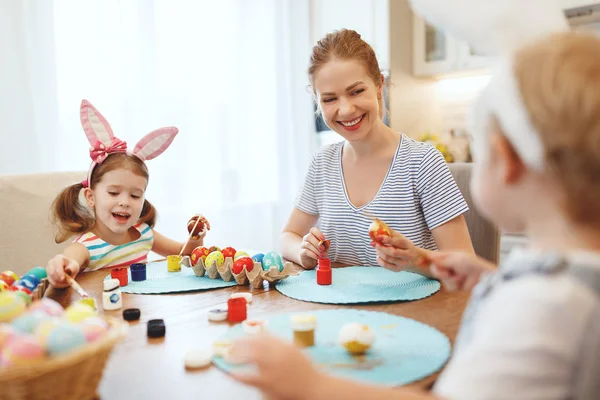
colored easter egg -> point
(32, 278)
(29, 321)
(199, 253)
(7, 332)
(240, 263)
(49, 306)
(77, 312)
(11, 305)
(214, 248)
(272, 259)
(39, 272)
(27, 283)
(44, 329)
(216, 257)
(22, 293)
(93, 328)
(3, 286)
(23, 350)
(9, 277)
(258, 257)
(357, 338)
(64, 337)
(239, 254)
(228, 252)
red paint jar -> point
(236, 309)
(324, 271)
(121, 275)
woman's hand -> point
(313, 246)
(58, 267)
(282, 371)
(395, 252)
(457, 270)
(199, 231)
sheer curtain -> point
(230, 74)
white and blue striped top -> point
(417, 195)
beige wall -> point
(413, 105)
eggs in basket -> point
(229, 264)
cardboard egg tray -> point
(255, 278)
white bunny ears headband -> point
(104, 142)
(499, 28)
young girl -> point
(532, 329)
(119, 232)
(375, 171)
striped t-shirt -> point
(418, 194)
(106, 255)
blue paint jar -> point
(138, 272)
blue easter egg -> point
(31, 277)
(272, 259)
(25, 283)
(28, 322)
(65, 337)
(258, 257)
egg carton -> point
(255, 278)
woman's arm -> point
(165, 247)
(453, 235)
(291, 240)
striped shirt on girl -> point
(106, 255)
(417, 195)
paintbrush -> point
(73, 283)
(190, 236)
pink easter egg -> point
(93, 328)
(23, 350)
(49, 306)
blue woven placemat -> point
(159, 280)
(356, 285)
(404, 350)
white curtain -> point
(230, 74)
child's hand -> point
(200, 230)
(457, 270)
(58, 267)
(282, 370)
(313, 246)
(395, 252)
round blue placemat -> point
(404, 350)
(159, 280)
(356, 285)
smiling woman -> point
(374, 171)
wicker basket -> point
(73, 376)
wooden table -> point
(142, 368)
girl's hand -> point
(58, 267)
(459, 271)
(313, 246)
(395, 252)
(200, 230)
(282, 370)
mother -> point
(374, 171)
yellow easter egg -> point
(240, 254)
(216, 257)
(77, 312)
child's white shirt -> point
(529, 334)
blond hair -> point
(559, 82)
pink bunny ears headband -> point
(104, 142)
